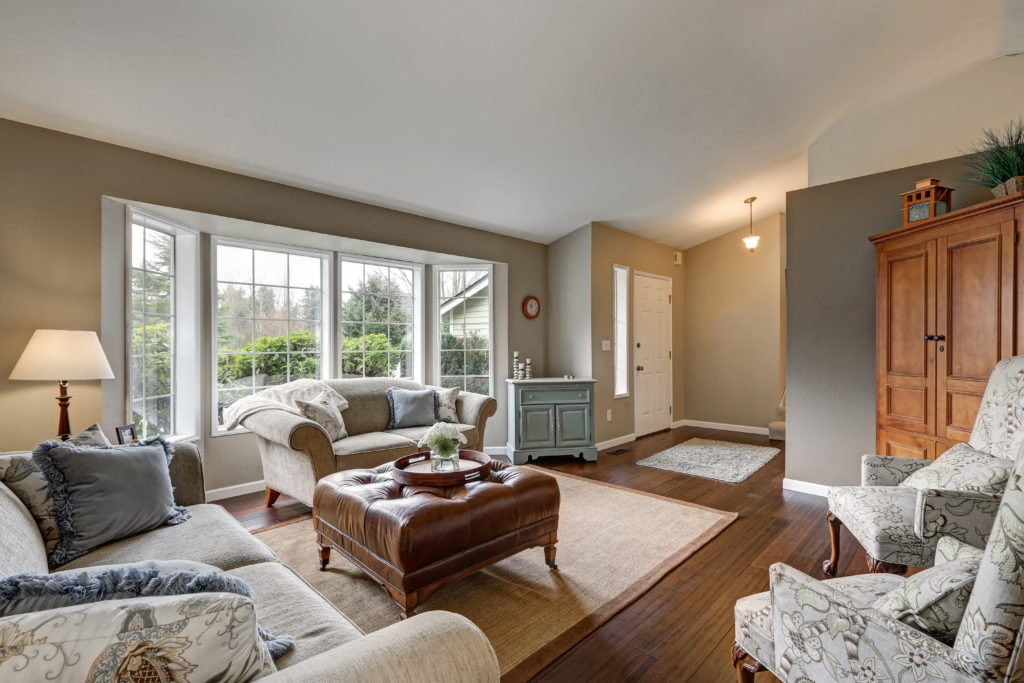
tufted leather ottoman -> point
(414, 539)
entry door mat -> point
(710, 459)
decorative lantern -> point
(928, 199)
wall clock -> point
(531, 307)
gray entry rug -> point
(721, 460)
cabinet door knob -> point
(579, 395)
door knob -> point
(639, 368)
(939, 337)
(929, 337)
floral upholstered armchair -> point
(903, 505)
(960, 620)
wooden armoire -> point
(949, 308)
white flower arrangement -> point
(443, 438)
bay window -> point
(464, 327)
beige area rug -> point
(613, 545)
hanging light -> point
(751, 240)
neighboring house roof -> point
(472, 288)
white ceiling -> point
(525, 117)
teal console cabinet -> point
(550, 416)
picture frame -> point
(126, 434)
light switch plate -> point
(606, 345)
(609, 417)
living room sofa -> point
(296, 452)
(435, 646)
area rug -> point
(721, 460)
(613, 545)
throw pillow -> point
(411, 407)
(962, 468)
(992, 620)
(24, 593)
(933, 601)
(447, 402)
(324, 411)
(949, 549)
(203, 637)
(106, 494)
(20, 474)
(90, 436)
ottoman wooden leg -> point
(325, 556)
(549, 555)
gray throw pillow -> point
(411, 407)
(106, 494)
(24, 593)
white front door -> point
(652, 353)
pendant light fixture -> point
(751, 240)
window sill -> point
(229, 432)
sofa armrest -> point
(186, 471)
(433, 647)
(302, 435)
(823, 634)
(887, 470)
(967, 516)
(474, 409)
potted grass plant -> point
(998, 161)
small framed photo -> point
(126, 434)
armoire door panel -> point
(906, 305)
(902, 445)
(974, 311)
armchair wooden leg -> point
(745, 665)
(879, 567)
(272, 496)
(831, 565)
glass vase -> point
(444, 463)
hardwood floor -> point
(682, 629)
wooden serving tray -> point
(414, 470)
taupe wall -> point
(568, 304)
(830, 358)
(51, 186)
(615, 247)
(733, 327)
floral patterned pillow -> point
(445, 410)
(962, 468)
(205, 637)
(933, 601)
(20, 474)
(324, 411)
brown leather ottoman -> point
(414, 539)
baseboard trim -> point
(236, 490)
(722, 425)
(617, 441)
(805, 487)
(677, 424)
(496, 450)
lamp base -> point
(63, 422)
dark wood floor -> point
(682, 629)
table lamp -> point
(63, 355)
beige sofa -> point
(296, 452)
(435, 646)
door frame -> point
(632, 349)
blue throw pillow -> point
(24, 593)
(412, 407)
(103, 494)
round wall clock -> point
(531, 307)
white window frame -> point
(185, 385)
(418, 306)
(326, 313)
(435, 303)
(620, 332)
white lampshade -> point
(63, 355)
(750, 241)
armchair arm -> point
(474, 409)
(967, 516)
(887, 470)
(823, 634)
(433, 647)
(186, 470)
